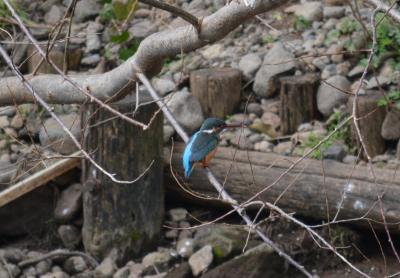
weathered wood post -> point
(298, 101)
(218, 90)
(371, 117)
(125, 218)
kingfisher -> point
(202, 147)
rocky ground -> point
(320, 37)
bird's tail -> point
(188, 169)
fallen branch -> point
(39, 178)
(60, 253)
(351, 193)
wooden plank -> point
(312, 188)
(39, 178)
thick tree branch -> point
(148, 59)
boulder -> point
(276, 62)
(201, 260)
(52, 135)
(329, 97)
(391, 125)
(187, 110)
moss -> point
(218, 253)
(135, 235)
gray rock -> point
(122, 272)
(4, 122)
(260, 261)
(185, 247)
(398, 151)
(271, 119)
(255, 108)
(163, 85)
(249, 64)
(181, 271)
(335, 51)
(74, 265)
(284, 148)
(335, 152)
(328, 97)
(93, 43)
(91, 60)
(334, 11)
(226, 241)
(169, 131)
(263, 146)
(17, 121)
(106, 269)
(54, 15)
(9, 269)
(7, 111)
(379, 81)
(85, 10)
(69, 203)
(70, 236)
(328, 71)
(143, 28)
(321, 62)
(8, 171)
(311, 11)
(161, 260)
(356, 71)
(55, 274)
(201, 260)
(53, 136)
(343, 68)
(178, 214)
(391, 125)
(12, 255)
(350, 159)
(187, 110)
(43, 267)
(274, 64)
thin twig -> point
(196, 22)
(60, 253)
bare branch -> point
(148, 59)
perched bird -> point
(203, 144)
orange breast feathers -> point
(209, 156)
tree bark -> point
(371, 117)
(122, 217)
(298, 101)
(313, 188)
(218, 90)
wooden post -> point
(298, 101)
(218, 90)
(125, 218)
(371, 117)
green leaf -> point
(124, 9)
(120, 38)
(126, 52)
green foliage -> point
(388, 40)
(348, 25)
(4, 12)
(332, 36)
(301, 23)
(392, 98)
(120, 38)
(118, 10)
(342, 135)
(268, 39)
(128, 51)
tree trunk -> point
(218, 90)
(298, 101)
(125, 218)
(371, 117)
(313, 188)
